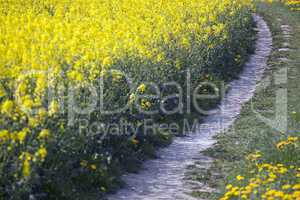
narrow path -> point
(163, 178)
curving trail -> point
(163, 178)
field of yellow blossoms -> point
(53, 54)
(293, 4)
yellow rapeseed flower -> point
(26, 157)
(296, 187)
(21, 136)
(4, 136)
(240, 178)
(45, 133)
(93, 167)
(7, 107)
(286, 187)
(142, 88)
(42, 153)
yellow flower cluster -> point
(254, 156)
(142, 88)
(85, 164)
(291, 141)
(293, 4)
(28, 159)
(145, 104)
(268, 183)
